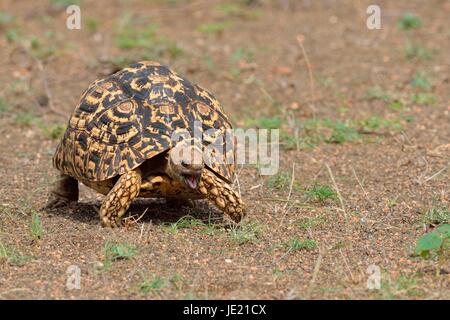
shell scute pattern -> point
(129, 117)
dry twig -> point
(341, 200)
(300, 40)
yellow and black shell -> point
(130, 116)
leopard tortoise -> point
(119, 142)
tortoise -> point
(119, 142)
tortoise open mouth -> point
(192, 181)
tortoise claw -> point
(109, 223)
(55, 201)
(64, 192)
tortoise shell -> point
(128, 117)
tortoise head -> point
(185, 164)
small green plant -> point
(169, 47)
(182, 223)
(5, 19)
(40, 51)
(378, 93)
(4, 107)
(147, 41)
(404, 285)
(424, 98)
(10, 255)
(92, 24)
(229, 9)
(50, 34)
(312, 132)
(26, 119)
(342, 109)
(64, 3)
(437, 215)
(320, 193)
(295, 244)
(415, 51)
(341, 96)
(408, 21)
(235, 73)
(54, 131)
(36, 226)
(397, 105)
(117, 251)
(341, 132)
(326, 82)
(311, 128)
(210, 63)
(375, 122)
(238, 10)
(247, 54)
(131, 37)
(13, 34)
(410, 285)
(408, 118)
(325, 130)
(435, 243)
(310, 222)
(290, 141)
(213, 28)
(244, 232)
(156, 284)
(51, 131)
(176, 280)
(263, 123)
(209, 227)
(277, 273)
(279, 181)
(421, 81)
(254, 14)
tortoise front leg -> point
(64, 191)
(119, 198)
(222, 195)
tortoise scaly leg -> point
(64, 191)
(119, 198)
(222, 195)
